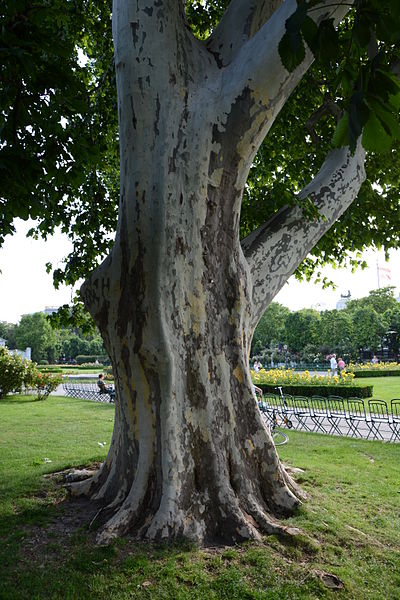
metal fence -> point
(334, 415)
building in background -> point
(49, 310)
(24, 353)
(342, 303)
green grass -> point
(350, 523)
(385, 388)
(65, 431)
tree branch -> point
(256, 85)
(275, 250)
(328, 107)
(240, 22)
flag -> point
(384, 275)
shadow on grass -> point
(47, 551)
(20, 400)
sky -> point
(25, 287)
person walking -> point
(334, 365)
(341, 366)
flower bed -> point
(379, 369)
(305, 384)
(289, 377)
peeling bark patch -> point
(172, 166)
(131, 304)
(228, 138)
(197, 394)
(181, 246)
(134, 33)
(134, 120)
(158, 106)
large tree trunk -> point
(175, 301)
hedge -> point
(344, 391)
(377, 373)
(50, 369)
(91, 358)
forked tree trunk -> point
(177, 300)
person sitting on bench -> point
(105, 389)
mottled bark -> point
(275, 250)
(175, 300)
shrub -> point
(379, 369)
(44, 383)
(17, 373)
(344, 391)
(14, 372)
(50, 369)
(43, 362)
(376, 373)
(92, 358)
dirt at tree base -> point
(48, 543)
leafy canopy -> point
(59, 156)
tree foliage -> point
(34, 331)
(368, 323)
(59, 124)
(302, 328)
(271, 327)
(47, 344)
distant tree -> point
(7, 332)
(302, 328)
(71, 345)
(369, 327)
(74, 343)
(335, 331)
(380, 300)
(36, 332)
(271, 327)
(392, 317)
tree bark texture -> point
(178, 298)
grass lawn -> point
(350, 523)
(385, 388)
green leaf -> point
(358, 116)
(291, 50)
(327, 42)
(375, 138)
(341, 135)
(309, 30)
(362, 32)
(389, 121)
(295, 21)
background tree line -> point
(47, 343)
(366, 326)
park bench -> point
(89, 391)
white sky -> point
(25, 287)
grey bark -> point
(177, 299)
